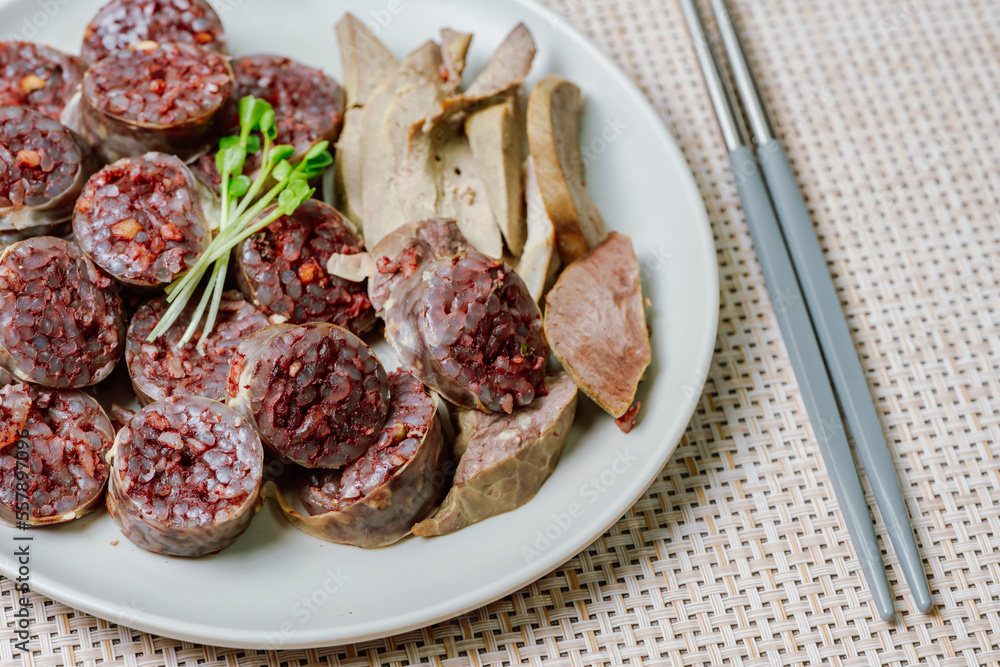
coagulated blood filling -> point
(318, 394)
(163, 368)
(308, 104)
(163, 85)
(285, 269)
(483, 329)
(39, 158)
(188, 462)
(410, 415)
(61, 319)
(141, 219)
(37, 77)
(308, 107)
(67, 437)
(123, 23)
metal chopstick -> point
(828, 318)
(796, 326)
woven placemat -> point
(737, 554)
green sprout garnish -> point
(242, 203)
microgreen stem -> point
(216, 286)
(259, 181)
(241, 205)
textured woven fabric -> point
(737, 555)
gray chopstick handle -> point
(843, 364)
(807, 362)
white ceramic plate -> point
(277, 587)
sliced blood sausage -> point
(375, 500)
(185, 476)
(52, 441)
(61, 321)
(145, 220)
(283, 269)
(505, 459)
(124, 23)
(43, 168)
(315, 392)
(308, 107)
(465, 325)
(152, 97)
(163, 368)
(407, 250)
(37, 77)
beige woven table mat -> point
(737, 554)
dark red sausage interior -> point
(61, 319)
(122, 23)
(410, 415)
(39, 158)
(284, 269)
(164, 85)
(68, 436)
(318, 394)
(141, 219)
(162, 369)
(37, 77)
(483, 329)
(188, 462)
(308, 106)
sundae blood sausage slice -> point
(283, 269)
(152, 97)
(409, 249)
(465, 325)
(61, 321)
(145, 220)
(185, 477)
(316, 393)
(595, 319)
(124, 23)
(43, 168)
(308, 107)
(58, 438)
(375, 500)
(37, 77)
(308, 104)
(505, 459)
(163, 369)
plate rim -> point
(552, 559)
